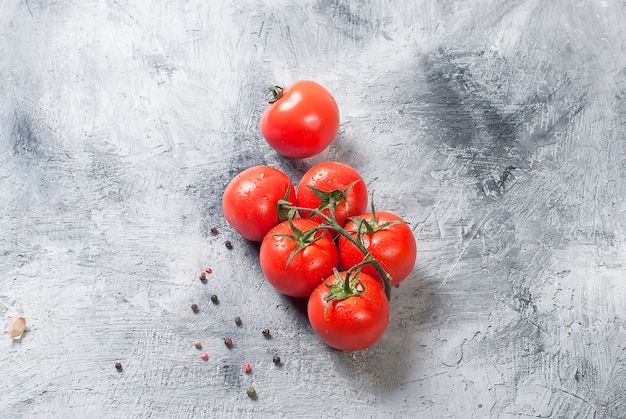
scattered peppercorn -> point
(195, 308)
(266, 333)
(214, 229)
(247, 368)
(118, 366)
(214, 299)
(228, 244)
(276, 360)
(228, 342)
(204, 356)
(203, 277)
(208, 270)
(238, 321)
(251, 392)
(198, 344)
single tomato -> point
(352, 320)
(250, 201)
(295, 259)
(301, 120)
(332, 184)
(387, 238)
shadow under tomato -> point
(298, 305)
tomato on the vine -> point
(301, 120)
(295, 259)
(251, 200)
(349, 319)
(387, 238)
(332, 184)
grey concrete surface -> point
(495, 127)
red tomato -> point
(250, 201)
(302, 121)
(315, 260)
(332, 176)
(393, 246)
(353, 323)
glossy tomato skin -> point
(306, 269)
(354, 323)
(329, 176)
(393, 247)
(302, 122)
(250, 201)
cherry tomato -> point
(315, 259)
(392, 245)
(250, 201)
(334, 178)
(353, 323)
(301, 121)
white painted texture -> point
(495, 127)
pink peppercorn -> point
(208, 270)
(247, 368)
(204, 356)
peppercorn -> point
(266, 333)
(195, 308)
(214, 229)
(198, 344)
(228, 244)
(118, 366)
(247, 368)
(276, 360)
(203, 277)
(228, 342)
(214, 299)
(238, 321)
(251, 392)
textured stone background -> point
(496, 127)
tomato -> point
(250, 201)
(329, 177)
(302, 121)
(315, 259)
(353, 323)
(392, 245)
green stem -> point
(330, 223)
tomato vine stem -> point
(330, 223)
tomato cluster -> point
(318, 241)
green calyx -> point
(301, 238)
(331, 199)
(344, 287)
(371, 226)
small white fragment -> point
(16, 327)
